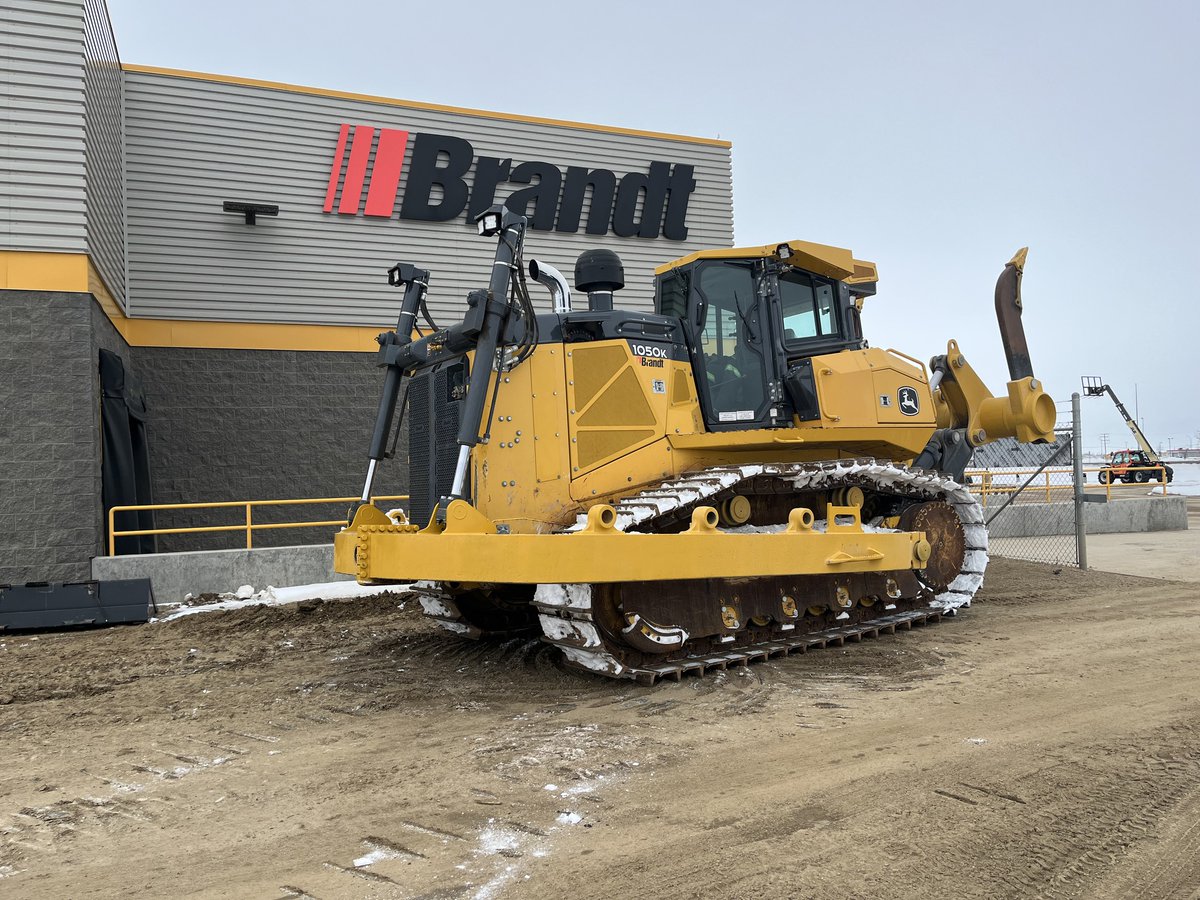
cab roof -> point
(832, 262)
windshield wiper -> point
(745, 321)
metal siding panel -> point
(190, 144)
(106, 152)
(42, 149)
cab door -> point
(730, 345)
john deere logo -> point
(908, 400)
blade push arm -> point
(415, 283)
(484, 327)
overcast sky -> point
(934, 139)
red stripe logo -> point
(380, 174)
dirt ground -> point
(1044, 744)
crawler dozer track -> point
(652, 630)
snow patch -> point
(557, 629)
(495, 838)
(819, 525)
(586, 787)
(124, 787)
(492, 888)
(379, 854)
(564, 596)
(596, 663)
(569, 818)
(435, 607)
(275, 596)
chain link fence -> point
(1031, 511)
(1033, 495)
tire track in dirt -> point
(1090, 817)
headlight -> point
(489, 223)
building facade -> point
(251, 337)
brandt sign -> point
(446, 180)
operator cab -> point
(1130, 458)
(754, 318)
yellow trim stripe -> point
(22, 270)
(75, 273)
(108, 303)
(248, 335)
(415, 104)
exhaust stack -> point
(560, 292)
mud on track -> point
(1047, 743)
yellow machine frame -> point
(579, 426)
(466, 549)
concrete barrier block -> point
(174, 575)
(1119, 516)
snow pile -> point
(1187, 479)
(246, 596)
(819, 525)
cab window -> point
(672, 294)
(809, 307)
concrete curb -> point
(174, 575)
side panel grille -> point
(434, 413)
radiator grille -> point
(433, 417)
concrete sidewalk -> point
(1157, 554)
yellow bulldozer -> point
(736, 476)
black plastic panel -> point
(802, 390)
(117, 602)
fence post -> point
(1077, 459)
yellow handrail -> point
(249, 526)
(986, 485)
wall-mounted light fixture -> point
(250, 210)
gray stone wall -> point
(49, 436)
(224, 425)
(249, 425)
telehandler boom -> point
(1128, 465)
